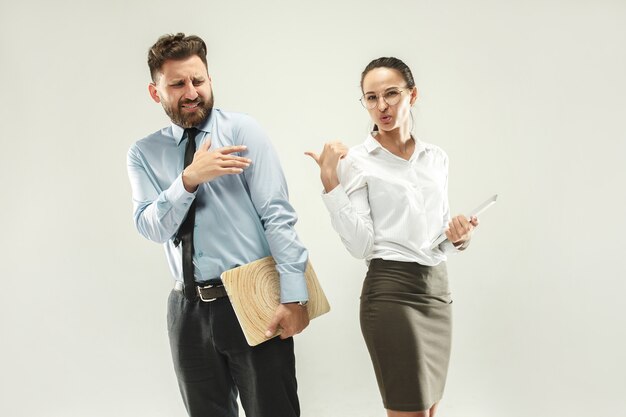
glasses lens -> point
(392, 96)
(369, 101)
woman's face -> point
(382, 84)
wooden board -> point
(254, 291)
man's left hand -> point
(292, 319)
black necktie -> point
(185, 232)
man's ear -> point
(154, 93)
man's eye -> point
(198, 82)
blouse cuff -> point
(336, 199)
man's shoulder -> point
(152, 144)
(236, 118)
(240, 128)
(161, 135)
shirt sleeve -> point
(447, 247)
(349, 209)
(157, 213)
(270, 197)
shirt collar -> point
(179, 132)
(372, 144)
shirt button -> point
(201, 254)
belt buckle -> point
(199, 290)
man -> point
(215, 208)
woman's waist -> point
(402, 252)
(392, 276)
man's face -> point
(184, 90)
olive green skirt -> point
(406, 321)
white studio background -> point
(527, 98)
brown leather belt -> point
(206, 293)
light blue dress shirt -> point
(239, 218)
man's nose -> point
(190, 92)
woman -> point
(387, 199)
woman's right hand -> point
(328, 161)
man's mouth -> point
(190, 106)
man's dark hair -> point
(393, 63)
(174, 47)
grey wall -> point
(526, 97)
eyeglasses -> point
(391, 96)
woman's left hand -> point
(460, 229)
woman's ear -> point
(414, 95)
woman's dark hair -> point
(174, 47)
(393, 63)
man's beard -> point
(186, 120)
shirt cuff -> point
(336, 199)
(448, 247)
(293, 288)
(176, 193)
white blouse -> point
(390, 208)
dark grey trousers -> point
(213, 363)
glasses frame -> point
(364, 103)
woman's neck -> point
(398, 141)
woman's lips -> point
(385, 119)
